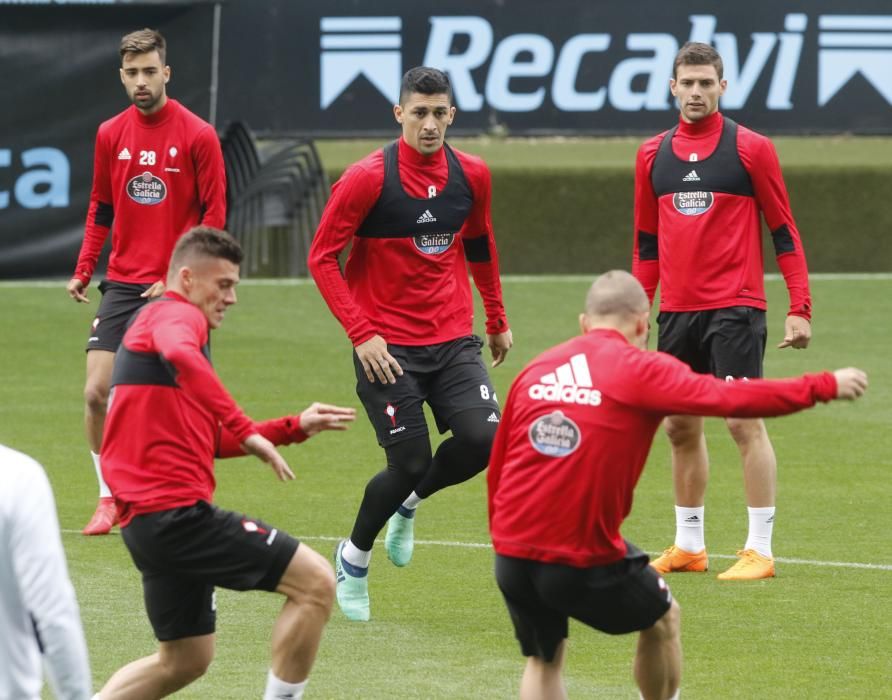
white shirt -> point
(38, 608)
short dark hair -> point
(206, 242)
(695, 53)
(144, 41)
(616, 293)
(426, 81)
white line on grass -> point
(773, 276)
(302, 281)
(480, 545)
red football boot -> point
(105, 517)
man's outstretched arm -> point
(290, 429)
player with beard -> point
(158, 171)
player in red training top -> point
(414, 212)
(169, 416)
(576, 430)
(699, 189)
(158, 171)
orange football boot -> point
(750, 567)
(676, 559)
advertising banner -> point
(61, 80)
(558, 67)
(520, 67)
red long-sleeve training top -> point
(170, 415)
(390, 286)
(576, 430)
(154, 177)
(711, 257)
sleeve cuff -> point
(803, 311)
(497, 325)
(827, 387)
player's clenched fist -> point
(850, 383)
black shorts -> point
(626, 596)
(184, 552)
(119, 302)
(450, 376)
(727, 343)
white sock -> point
(354, 555)
(689, 529)
(675, 695)
(277, 689)
(761, 527)
(411, 503)
(104, 490)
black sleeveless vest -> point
(133, 367)
(431, 222)
(721, 171)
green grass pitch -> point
(439, 629)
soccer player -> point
(158, 170)
(170, 416)
(699, 190)
(576, 430)
(39, 615)
(414, 212)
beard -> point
(147, 101)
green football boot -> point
(400, 538)
(352, 587)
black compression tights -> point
(410, 468)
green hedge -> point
(580, 220)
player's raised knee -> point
(476, 429)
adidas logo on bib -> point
(426, 218)
(691, 177)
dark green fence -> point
(580, 221)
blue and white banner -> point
(333, 68)
(562, 66)
(61, 81)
